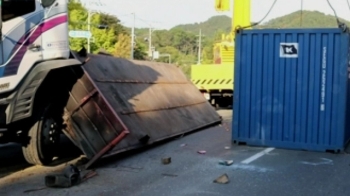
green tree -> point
(76, 13)
(207, 55)
(174, 54)
(101, 38)
(123, 46)
(113, 23)
(140, 51)
(185, 42)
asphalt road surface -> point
(255, 171)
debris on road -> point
(183, 145)
(227, 162)
(223, 179)
(227, 147)
(170, 175)
(225, 126)
(166, 160)
(202, 152)
(70, 177)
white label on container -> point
(289, 50)
(322, 107)
(323, 78)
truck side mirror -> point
(47, 3)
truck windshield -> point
(16, 8)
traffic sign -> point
(80, 34)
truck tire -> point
(44, 137)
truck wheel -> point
(44, 137)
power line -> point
(347, 1)
(340, 24)
(257, 23)
(148, 22)
(335, 13)
(273, 4)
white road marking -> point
(324, 162)
(256, 156)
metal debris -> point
(89, 175)
(69, 177)
(223, 179)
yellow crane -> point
(216, 80)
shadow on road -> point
(12, 160)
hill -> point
(308, 19)
(209, 27)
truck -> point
(46, 89)
(216, 81)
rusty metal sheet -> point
(137, 102)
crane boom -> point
(240, 12)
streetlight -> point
(90, 14)
(100, 26)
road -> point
(255, 171)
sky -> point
(165, 14)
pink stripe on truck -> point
(12, 67)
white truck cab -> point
(34, 49)
(31, 34)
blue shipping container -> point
(292, 89)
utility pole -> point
(150, 42)
(199, 46)
(132, 38)
(149, 39)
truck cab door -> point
(21, 43)
(55, 30)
